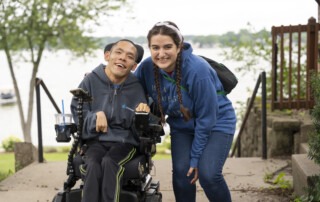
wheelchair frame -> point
(136, 187)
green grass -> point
(161, 156)
(7, 165)
(161, 153)
(7, 161)
(56, 156)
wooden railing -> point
(294, 60)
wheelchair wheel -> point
(59, 197)
(157, 197)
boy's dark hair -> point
(139, 48)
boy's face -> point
(121, 59)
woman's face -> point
(164, 52)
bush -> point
(314, 138)
(8, 143)
(314, 141)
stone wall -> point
(24, 153)
(285, 132)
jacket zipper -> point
(113, 98)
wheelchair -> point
(138, 184)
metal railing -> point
(261, 80)
(39, 82)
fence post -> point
(239, 148)
(312, 52)
(264, 115)
(40, 147)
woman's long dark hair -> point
(178, 41)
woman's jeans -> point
(210, 167)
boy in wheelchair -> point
(116, 143)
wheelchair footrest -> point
(153, 194)
(147, 183)
(155, 184)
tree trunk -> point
(25, 123)
(17, 92)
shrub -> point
(8, 143)
(314, 140)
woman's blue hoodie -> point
(200, 83)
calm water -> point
(61, 73)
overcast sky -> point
(205, 17)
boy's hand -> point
(101, 122)
(142, 107)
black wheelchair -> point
(138, 185)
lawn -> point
(7, 161)
(6, 164)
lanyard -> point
(184, 88)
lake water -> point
(61, 72)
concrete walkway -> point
(39, 182)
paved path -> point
(39, 182)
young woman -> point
(202, 122)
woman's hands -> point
(195, 177)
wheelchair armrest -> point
(156, 128)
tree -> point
(36, 25)
(250, 48)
